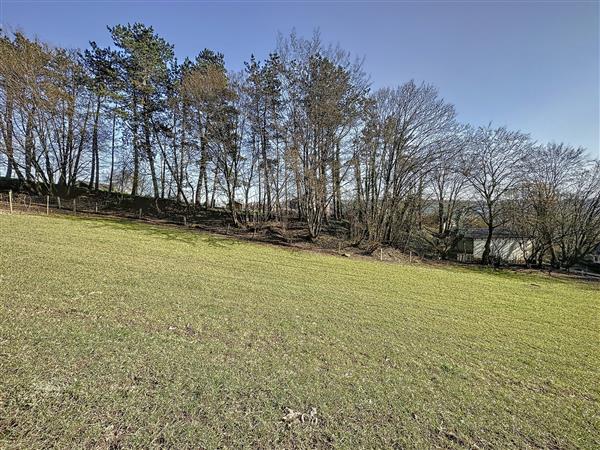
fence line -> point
(19, 202)
(16, 203)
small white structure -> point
(506, 249)
(505, 246)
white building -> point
(505, 246)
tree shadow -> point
(522, 274)
(164, 231)
(217, 241)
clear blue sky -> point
(529, 65)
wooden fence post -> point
(10, 200)
(380, 254)
(74, 206)
(47, 204)
(96, 206)
(140, 213)
(184, 221)
(58, 198)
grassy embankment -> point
(121, 334)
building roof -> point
(481, 233)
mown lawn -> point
(116, 334)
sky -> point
(529, 65)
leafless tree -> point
(401, 143)
(578, 217)
(493, 167)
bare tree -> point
(401, 141)
(447, 183)
(299, 131)
(579, 217)
(493, 167)
(323, 93)
(550, 171)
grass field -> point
(115, 334)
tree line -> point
(301, 133)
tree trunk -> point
(485, 257)
(202, 175)
(112, 154)
(182, 148)
(95, 159)
(29, 147)
(441, 221)
(163, 176)
(214, 189)
(264, 144)
(136, 151)
(150, 157)
(148, 148)
(8, 138)
(97, 181)
(337, 182)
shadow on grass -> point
(193, 237)
(532, 276)
(162, 231)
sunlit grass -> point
(120, 334)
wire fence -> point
(24, 203)
(140, 208)
(15, 202)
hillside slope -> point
(121, 334)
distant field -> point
(116, 334)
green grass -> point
(121, 334)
